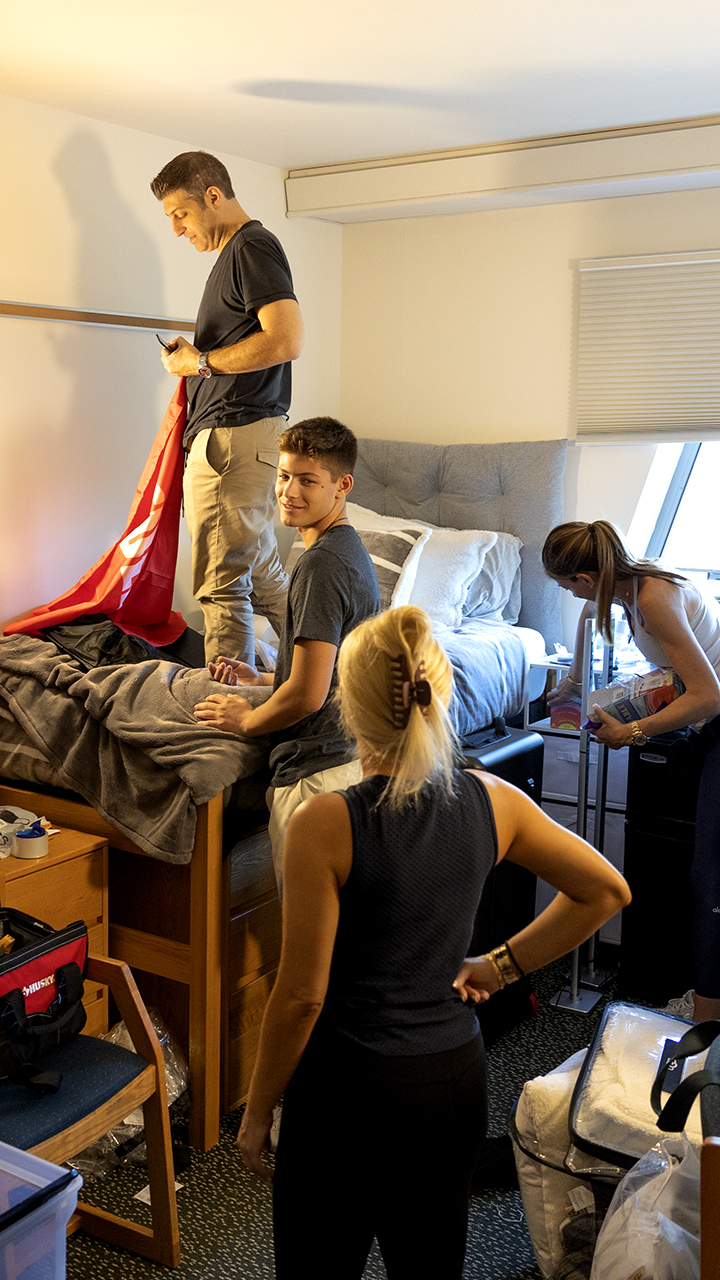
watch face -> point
(639, 739)
(204, 371)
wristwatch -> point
(638, 738)
(203, 367)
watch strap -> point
(638, 738)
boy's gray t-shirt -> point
(333, 587)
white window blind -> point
(649, 346)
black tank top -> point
(406, 918)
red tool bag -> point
(41, 990)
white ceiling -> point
(302, 82)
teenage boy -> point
(333, 587)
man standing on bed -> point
(238, 379)
(333, 587)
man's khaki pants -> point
(229, 493)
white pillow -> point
(458, 573)
(395, 564)
(394, 546)
(450, 563)
(496, 592)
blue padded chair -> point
(102, 1084)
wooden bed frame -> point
(203, 941)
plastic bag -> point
(652, 1230)
(177, 1075)
(126, 1138)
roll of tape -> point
(30, 844)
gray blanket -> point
(125, 738)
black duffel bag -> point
(41, 991)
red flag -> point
(133, 582)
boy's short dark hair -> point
(192, 172)
(327, 440)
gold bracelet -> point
(490, 957)
(502, 961)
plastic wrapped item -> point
(578, 1234)
(177, 1074)
(652, 1228)
(611, 1117)
(540, 1141)
(125, 1140)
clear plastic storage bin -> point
(36, 1201)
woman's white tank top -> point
(704, 624)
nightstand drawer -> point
(68, 884)
(61, 892)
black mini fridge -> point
(656, 940)
(508, 899)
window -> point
(677, 517)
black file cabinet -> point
(657, 927)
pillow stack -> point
(453, 574)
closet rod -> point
(73, 315)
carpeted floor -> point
(225, 1213)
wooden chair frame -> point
(161, 1243)
(195, 963)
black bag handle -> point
(672, 1117)
(69, 985)
(65, 1014)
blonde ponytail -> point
(395, 683)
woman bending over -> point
(673, 625)
(370, 1031)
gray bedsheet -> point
(125, 738)
(489, 669)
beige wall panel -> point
(462, 328)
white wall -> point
(462, 328)
(80, 405)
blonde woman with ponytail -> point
(673, 625)
(370, 1032)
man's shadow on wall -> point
(93, 453)
(112, 416)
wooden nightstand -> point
(70, 883)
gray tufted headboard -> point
(512, 488)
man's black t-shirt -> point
(333, 587)
(251, 271)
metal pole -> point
(591, 974)
(574, 998)
(584, 762)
